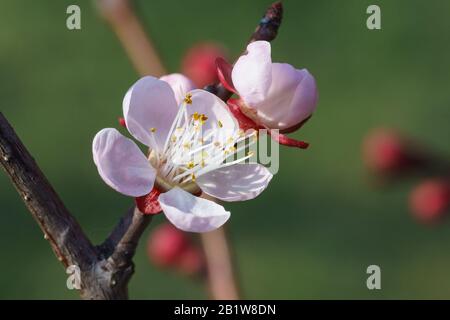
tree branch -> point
(64, 234)
(106, 270)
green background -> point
(318, 226)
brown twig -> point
(105, 270)
(132, 35)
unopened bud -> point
(430, 200)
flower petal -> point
(204, 102)
(121, 164)
(191, 213)
(150, 103)
(291, 99)
(305, 97)
(238, 182)
(252, 73)
(180, 85)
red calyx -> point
(245, 123)
(224, 74)
(149, 204)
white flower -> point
(190, 145)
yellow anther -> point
(188, 98)
(153, 130)
(202, 163)
(250, 153)
(173, 138)
(187, 145)
(195, 116)
(203, 118)
(190, 164)
(230, 140)
(220, 124)
(193, 177)
(233, 149)
(241, 133)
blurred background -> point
(313, 233)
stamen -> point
(188, 98)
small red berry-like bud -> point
(122, 122)
(430, 200)
(166, 245)
(199, 63)
(388, 153)
(191, 261)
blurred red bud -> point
(199, 63)
(430, 200)
(191, 261)
(169, 247)
(386, 152)
(166, 244)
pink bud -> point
(430, 200)
(166, 245)
(199, 63)
(191, 261)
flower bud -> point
(387, 153)
(166, 244)
(199, 63)
(430, 200)
(191, 261)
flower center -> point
(191, 150)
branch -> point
(106, 270)
(135, 41)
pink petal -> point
(305, 98)
(180, 85)
(291, 99)
(191, 213)
(150, 103)
(235, 183)
(252, 73)
(121, 164)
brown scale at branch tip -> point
(269, 24)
